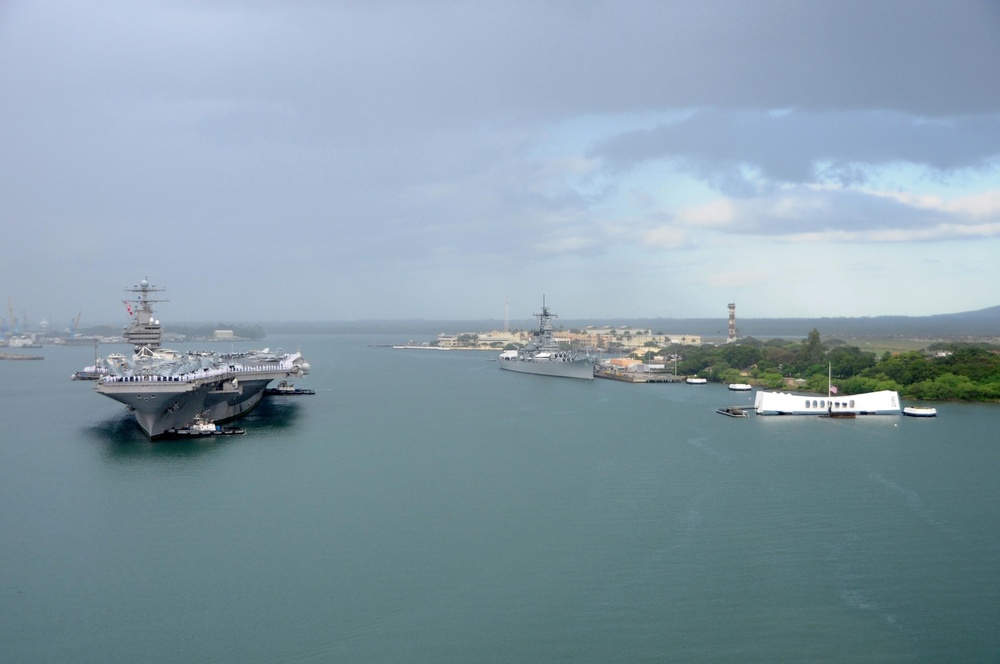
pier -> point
(17, 356)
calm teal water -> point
(427, 507)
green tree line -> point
(944, 371)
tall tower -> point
(506, 316)
(732, 323)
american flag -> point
(833, 389)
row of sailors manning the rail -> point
(204, 373)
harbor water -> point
(426, 507)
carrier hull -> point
(162, 403)
(170, 390)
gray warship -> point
(542, 355)
(167, 390)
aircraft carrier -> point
(167, 390)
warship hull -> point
(580, 368)
(162, 405)
(168, 390)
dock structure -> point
(18, 356)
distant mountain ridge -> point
(980, 323)
(989, 313)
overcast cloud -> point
(340, 160)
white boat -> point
(693, 380)
(920, 411)
(740, 387)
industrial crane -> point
(15, 329)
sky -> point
(438, 159)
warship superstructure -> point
(543, 356)
(168, 390)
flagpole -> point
(829, 386)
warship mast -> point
(144, 330)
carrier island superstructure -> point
(167, 389)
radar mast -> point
(144, 330)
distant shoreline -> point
(976, 325)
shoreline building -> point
(628, 338)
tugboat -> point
(201, 427)
(284, 388)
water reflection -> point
(272, 414)
(119, 429)
(124, 438)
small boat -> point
(89, 373)
(920, 411)
(740, 387)
(200, 427)
(284, 388)
(733, 411)
(693, 380)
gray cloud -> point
(800, 147)
(854, 214)
(388, 142)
